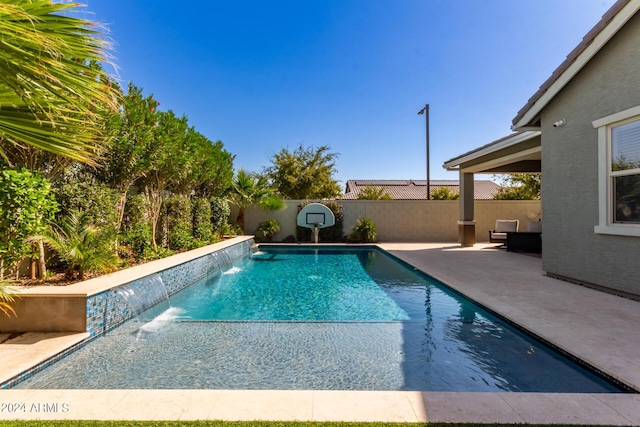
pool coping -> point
(615, 409)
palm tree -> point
(78, 243)
(6, 298)
(51, 89)
(248, 190)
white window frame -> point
(605, 191)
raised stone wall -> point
(96, 306)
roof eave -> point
(500, 144)
(597, 38)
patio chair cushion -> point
(506, 225)
(498, 236)
(503, 226)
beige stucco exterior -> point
(47, 313)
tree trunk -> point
(32, 267)
(123, 201)
(153, 192)
(240, 219)
(42, 271)
(154, 245)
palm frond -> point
(6, 299)
(50, 94)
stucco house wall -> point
(609, 83)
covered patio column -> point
(466, 222)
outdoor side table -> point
(524, 241)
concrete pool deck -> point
(601, 329)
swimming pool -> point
(269, 322)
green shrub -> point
(365, 230)
(177, 223)
(268, 229)
(180, 238)
(202, 227)
(220, 212)
(156, 253)
(80, 192)
(135, 232)
(138, 240)
(26, 204)
(444, 193)
(80, 244)
(370, 192)
(231, 230)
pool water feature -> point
(387, 327)
(148, 299)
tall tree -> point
(167, 165)
(248, 190)
(444, 193)
(216, 169)
(305, 173)
(50, 165)
(519, 186)
(204, 168)
(370, 192)
(132, 144)
(50, 93)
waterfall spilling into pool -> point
(147, 299)
(221, 259)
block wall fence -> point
(405, 220)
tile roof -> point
(571, 58)
(417, 189)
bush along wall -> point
(202, 227)
(220, 212)
(330, 234)
(135, 232)
(177, 223)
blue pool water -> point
(293, 318)
(285, 284)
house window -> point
(619, 173)
(625, 172)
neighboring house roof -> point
(417, 189)
(600, 34)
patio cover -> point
(519, 152)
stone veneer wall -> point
(107, 310)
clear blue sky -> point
(262, 75)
